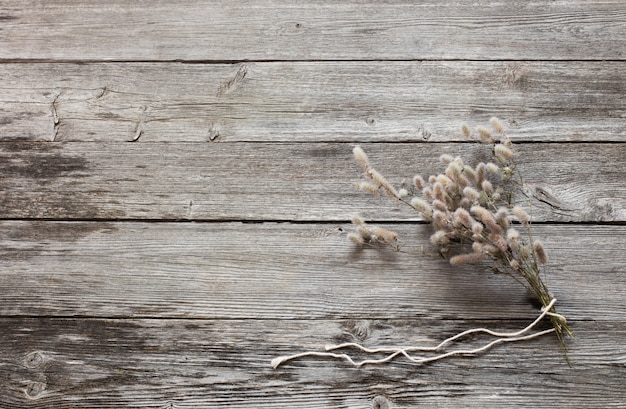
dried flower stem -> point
(472, 211)
(474, 207)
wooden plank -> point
(312, 102)
(313, 30)
(282, 270)
(249, 181)
(225, 363)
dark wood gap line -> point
(280, 221)
(330, 60)
(171, 318)
(325, 141)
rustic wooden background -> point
(176, 182)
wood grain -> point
(314, 30)
(217, 363)
(306, 182)
(282, 270)
(176, 180)
(311, 101)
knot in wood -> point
(34, 390)
(361, 330)
(380, 402)
(33, 359)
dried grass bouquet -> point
(475, 220)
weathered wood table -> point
(176, 183)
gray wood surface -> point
(248, 181)
(286, 271)
(176, 181)
(313, 30)
(311, 101)
(100, 363)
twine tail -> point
(502, 337)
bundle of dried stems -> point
(475, 220)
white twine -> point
(394, 352)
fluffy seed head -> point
(481, 171)
(484, 134)
(492, 168)
(439, 238)
(462, 181)
(502, 152)
(477, 228)
(422, 207)
(487, 187)
(468, 258)
(446, 158)
(438, 191)
(464, 218)
(418, 182)
(356, 239)
(453, 171)
(513, 238)
(439, 205)
(466, 130)
(385, 235)
(483, 214)
(486, 217)
(521, 215)
(357, 220)
(502, 217)
(445, 181)
(382, 182)
(361, 157)
(499, 242)
(367, 187)
(450, 202)
(496, 124)
(489, 250)
(471, 194)
(427, 192)
(440, 219)
(365, 233)
(507, 172)
(525, 251)
(512, 234)
(540, 252)
(469, 173)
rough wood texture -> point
(312, 30)
(224, 363)
(285, 271)
(311, 102)
(131, 274)
(247, 181)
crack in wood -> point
(231, 84)
(55, 117)
(214, 131)
(544, 196)
(103, 92)
(138, 132)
